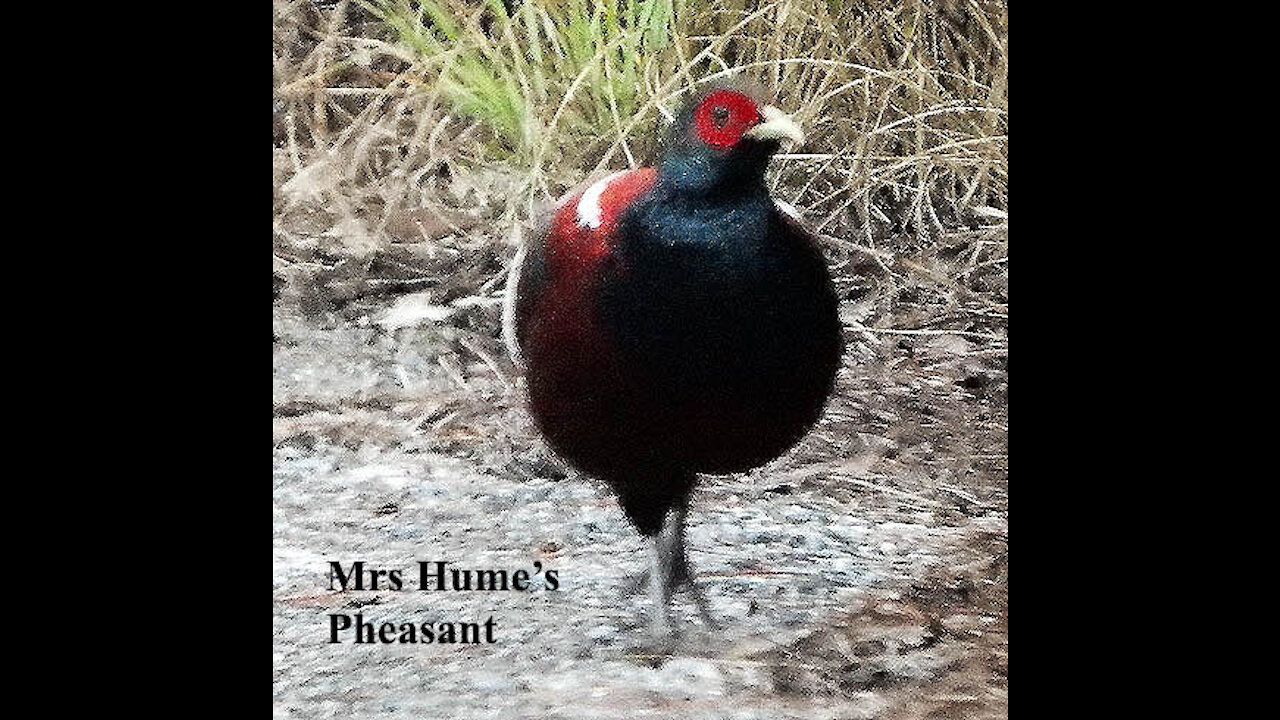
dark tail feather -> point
(646, 497)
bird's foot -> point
(680, 578)
(704, 607)
(636, 583)
(658, 646)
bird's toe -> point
(635, 584)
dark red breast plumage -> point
(675, 320)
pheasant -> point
(674, 321)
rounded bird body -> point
(675, 321)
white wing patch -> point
(787, 208)
(590, 213)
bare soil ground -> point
(863, 575)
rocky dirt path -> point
(865, 574)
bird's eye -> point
(720, 116)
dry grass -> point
(407, 144)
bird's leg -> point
(660, 589)
(671, 569)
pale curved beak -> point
(776, 125)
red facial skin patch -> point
(723, 117)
